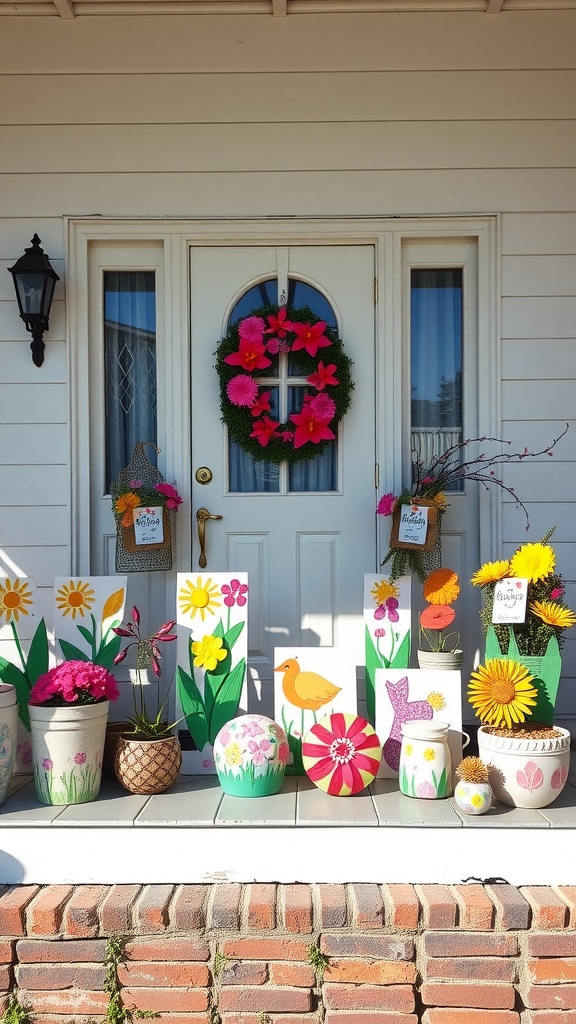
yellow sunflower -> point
(208, 652)
(533, 562)
(441, 587)
(199, 597)
(553, 614)
(14, 596)
(382, 590)
(490, 572)
(501, 692)
(75, 597)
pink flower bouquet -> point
(74, 682)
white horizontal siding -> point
(262, 97)
(345, 115)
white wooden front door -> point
(305, 552)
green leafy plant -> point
(206, 713)
(146, 724)
(116, 1011)
(220, 962)
(15, 1013)
(318, 959)
(33, 666)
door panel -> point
(305, 552)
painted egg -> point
(341, 754)
(250, 754)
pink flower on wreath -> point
(80, 757)
(251, 328)
(242, 390)
(323, 407)
(262, 403)
(264, 429)
(310, 337)
(234, 593)
(323, 377)
(309, 427)
(385, 506)
(169, 492)
(279, 325)
(286, 435)
(251, 355)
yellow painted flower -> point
(126, 504)
(233, 754)
(408, 749)
(199, 597)
(533, 562)
(382, 590)
(490, 572)
(113, 604)
(208, 652)
(476, 800)
(75, 597)
(501, 692)
(553, 614)
(429, 754)
(441, 587)
(436, 700)
(14, 596)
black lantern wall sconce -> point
(34, 281)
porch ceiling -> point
(277, 8)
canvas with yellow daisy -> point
(521, 674)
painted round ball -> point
(473, 797)
(341, 754)
(250, 754)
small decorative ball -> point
(341, 754)
(473, 797)
(250, 754)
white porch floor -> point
(195, 833)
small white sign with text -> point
(413, 525)
(149, 525)
(510, 598)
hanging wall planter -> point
(141, 503)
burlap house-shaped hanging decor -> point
(143, 536)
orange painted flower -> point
(126, 503)
(437, 616)
(441, 587)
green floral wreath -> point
(244, 358)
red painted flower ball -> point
(341, 754)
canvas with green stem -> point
(86, 610)
(212, 654)
(387, 629)
(309, 684)
(24, 652)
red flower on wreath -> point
(310, 427)
(279, 325)
(323, 377)
(264, 429)
(262, 403)
(310, 337)
(251, 355)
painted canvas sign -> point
(87, 608)
(387, 625)
(212, 621)
(24, 653)
(411, 695)
(310, 683)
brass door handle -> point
(202, 515)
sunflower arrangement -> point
(440, 589)
(547, 616)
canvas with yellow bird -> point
(308, 691)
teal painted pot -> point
(250, 754)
